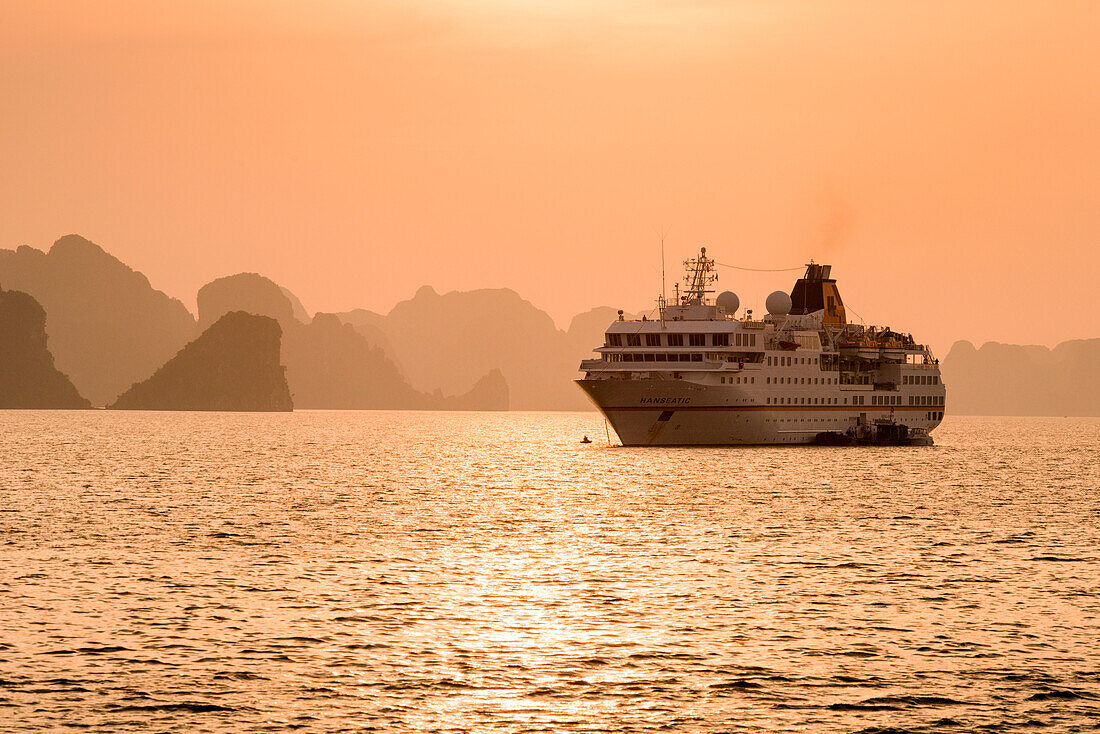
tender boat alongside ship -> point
(700, 374)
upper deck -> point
(697, 331)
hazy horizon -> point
(943, 159)
(941, 350)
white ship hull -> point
(661, 412)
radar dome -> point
(728, 302)
(778, 303)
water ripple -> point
(415, 572)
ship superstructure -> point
(700, 374)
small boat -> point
(586, 439)
(919, 437)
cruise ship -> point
(700, 373)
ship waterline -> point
(699, 375)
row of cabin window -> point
(737, 380)
(935, 415)
(807, 401)
(677, 357)
(856, 400)
(920, 379)
(801, 380)
(652, 357)
(788, 361)
(926, 400)
(677, 340)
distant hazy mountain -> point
(233, 365)
(296, 306)
(1008, 379)
(489, 393)
(28, 377)
(107, 326)
(369, 324)
(449, 341)
(331, 364)
(248, 292)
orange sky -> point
(944, 156)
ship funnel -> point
(816, 291)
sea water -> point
(415, 572)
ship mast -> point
(699, 276)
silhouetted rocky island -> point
(108, 327)
(233, 365)
(28, 377)
(331, 364)
(486, 349)
(1011, 379)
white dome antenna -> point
(728, 302)
(778, 303)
